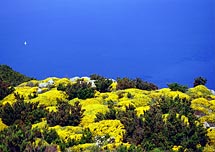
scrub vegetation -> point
(101, 114)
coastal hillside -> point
(100, 114)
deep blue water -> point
(161, 41)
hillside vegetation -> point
(100, 114)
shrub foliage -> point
(21, 112)
(177, 87)
(81, 90)
(5, 89)
(102, 83)
(8, 75)
(125, 83)
(66, 115)
(199, 81)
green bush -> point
(199, 81)
(109, 115)
(125, 83)
(143, 85)
(5, 89)
(8, 75)
(66, 115)
(103, 85)
(81, 90)
(18, 138)
(21, 112)
(177, 87)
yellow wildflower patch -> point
(88, 147)
(50, 97)
(176, 148)
(141, 110)
(68, 132)
(2, 125)
(90, 112)
(112, 127)
(199, 91)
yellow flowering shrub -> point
(2, 125)
(40, 125)
(211, 144)
(113, 86)
(113, 146)
(141, 100)
(136, 91)
(66, 132)
(199, 91)
(90, 112)
(52, 108)
(88, 147)
(176, 148)
(109, 96)
(155, 96)
(124, 104)
(50, 97)
(203, 105)
(183, 118)
(29, 83)
(112, 127)
(141, 110)
(64, 81)
(208, 118)
(90, 101)
(201, 102)
(174, 94)
(22, 91)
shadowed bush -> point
(21, 112)
(199, 81)
(66, 115)
(81, 90)
(125, 83)
(5, 89)
(102, 83)
(177, 87)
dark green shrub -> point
(102, 83)
(132, 148)
(125, 83)
(81, 90)
(177, 87)
(143, 85)
(96, 77)
(21, 112)
(66, 115)
(5, 89)
(86, 137)
(199, 81)
(18, 138)
(109, 115)
(8, 75)
(138, 83)
(152, 131)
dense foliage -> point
(125, 83)
(21, 112)
(199, 81)
(81, 90)
(8, 75)
(177, 87)
(167, 123)
(5, 89)
(66, 115)
(102, 83)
